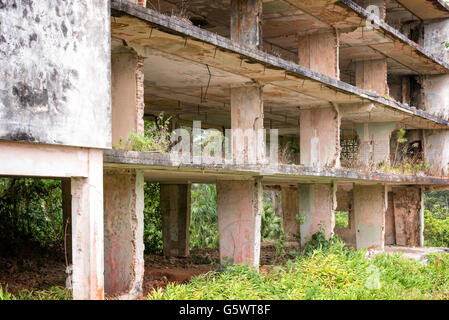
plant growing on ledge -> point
(156, 137)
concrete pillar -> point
(123, 215)
(290, 210)
(374, 145)
(124, 202)
(407, 215)
(240, 205)
(87, 231)
(66, 191)
(370, 205)
(320, 52)
(390, 229)
(127, 92)
(435, 97)
(319, 137)
(246, 21)
(317, 203)
(246, 119)
(371, 75)
(175, 210)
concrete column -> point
(240, 205)
(435, 97)
(390, 229)
(320, 137)
(66, 186)
(87, 231)
(123, 215)
(370, 205)
(317, 203)
(371, 75)
(407, 215)
(374, 145)
(127, 92)
(320, 52)
(290, 210)
(246, 21)
(175, 210)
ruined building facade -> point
(340, 79)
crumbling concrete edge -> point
(175, 26)
(161, 161)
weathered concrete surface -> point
(170, 34)
(123, 231)
(55, 72)
(435, 98)
(317, 203)
(246, 119)
(87, 231)
(375, 139)
(162, 169)
(371, 75)
(320, 137)
(390, 226)
(240, 206)
(175, 211)
(407, 215)
(428, 9)
(33, 160)
(127, 94)
(370, 205)
(290, 210)
(320, 52)
(246, 21)
(345, 202)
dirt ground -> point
(35, 268)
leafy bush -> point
(156, 137)
(152, 232)
(334, 273)
(204, 217)
(53, 293)
(341, 219)
(436, 219)
(31, 210)
(271, 225)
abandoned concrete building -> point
(341, 79)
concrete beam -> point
(319, 135)
(87, 231)
(123, 228)
(240, 205)
(317, 203)
(175, 210)
(127, 92)
(370, 205)
(290, 210)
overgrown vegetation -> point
(436, 219)
(329, 272)
(341, 219)
(30, 211)
(156, 137)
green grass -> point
(53, 293)
(335, 273)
